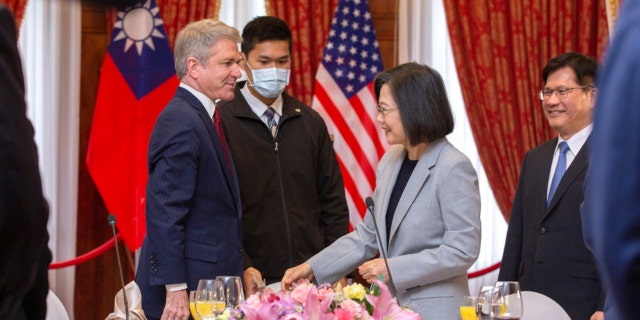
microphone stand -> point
(112, 222)
(371, 206)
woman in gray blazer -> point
(427, 203)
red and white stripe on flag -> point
(344, 97)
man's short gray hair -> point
(197, 38)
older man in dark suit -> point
(544, 249)
(24, 255)
(193, 202)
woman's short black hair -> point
(421, 98)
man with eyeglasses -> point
(544, 248)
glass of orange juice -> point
(192, 305)
(469, 308)
(209, 299)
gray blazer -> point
(435, 233)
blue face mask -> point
(269, 82)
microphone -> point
(112, 222)
(371, 206)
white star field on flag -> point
(352, 50)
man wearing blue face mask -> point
(290, 183)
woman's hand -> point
(301, 271)
(371, 269)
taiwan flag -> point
(137, 80)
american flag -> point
(344, 96)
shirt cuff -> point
(176, 287)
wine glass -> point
(233, 292)
(192, 305)
(484, 302)
(506, 301)
(209, 299)
(469, 309)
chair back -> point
(538, 306)
(55, 308)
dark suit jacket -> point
(193, 205)
(24, 255)
(544, 249)
(611, 211)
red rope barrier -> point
(109, 244)
(87, 256)
(484, 271)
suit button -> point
(154, 270)
(543, 230)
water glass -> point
(233, 292)
(506, 301)
(484, 302)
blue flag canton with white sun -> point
(140, 49)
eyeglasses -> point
(383, 111)
(562, 93)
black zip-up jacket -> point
(293, 200)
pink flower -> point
(353, 308)
(325, 292)
(343, 314)
(308, 302)
(301, 291)
(253, 301)
(269, 296)
(293, 316)
(260, 312)
(316, 309)
(386, 307)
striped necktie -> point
(271, 121)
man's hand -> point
(252, 281)
(176, 306)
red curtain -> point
(310, 21)
(176, 14)
(500, 48)
(17, 7)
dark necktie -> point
(561, 167)
(217, 122)
(271, 121)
